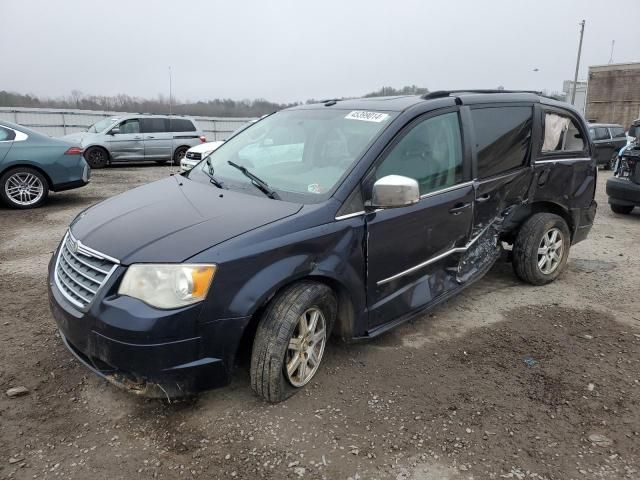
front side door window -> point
(430, 153)
(409, 249)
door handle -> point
(137, 138)
(483, 198)
(150, 136)
(458, 208)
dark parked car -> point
(32, 164)
(623, 188)
(608, 139)
(344, 217)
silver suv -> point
(132, 138)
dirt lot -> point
(504, 381)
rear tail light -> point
(74, 151)
(203, 139)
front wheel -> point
(290, 340)
(23, 187)
(541, 248)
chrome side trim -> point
(563, 160)
(426, 195)
(349, 215)
(445, 190)
(432, 260)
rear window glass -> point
(602, 133)
(503, 135)
(617, 132)
(561, 134)
(154, 125)
(6, 134)
(181, 125)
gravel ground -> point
(504, 381)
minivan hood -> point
(173, 219)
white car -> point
(197, 153)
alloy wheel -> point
(306, 347)
(550, 251)
(24, 188)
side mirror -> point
(632, 131)
(114, 131)
(395, 191)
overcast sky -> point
(292, 50)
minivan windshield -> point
(302, 155)
(101, 125)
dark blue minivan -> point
(345, 217)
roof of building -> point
(615, 66)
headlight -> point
(167, 286)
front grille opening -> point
(79, 273)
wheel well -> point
(343, 326)
(28, 165)
(525, 212)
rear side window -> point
(6, 135)
(561, 134)
(617, 132)
(180, 125)
(503, 136)
(154, 125)
(601, 133)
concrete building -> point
(581, 93)
(613, 93)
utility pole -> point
(575, 77)
(613, 44)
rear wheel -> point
(96, 157)
(290, 340)
(179, 155)
(622, 209)
(23, 188)
(541, 248)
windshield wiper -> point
(257, 181)
(209, 172)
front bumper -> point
(150, 352)
(187, 164)
(622, 191)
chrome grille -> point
(194, 155)
(81, 271)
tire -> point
(621, 209)
(23, 188)
(534, 235)
(612, 162)
(179, 155)
(279, 325)
(96, 157)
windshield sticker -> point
(367, 116)
(315, 188)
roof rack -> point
(446, 93)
